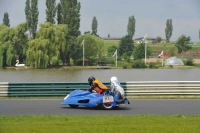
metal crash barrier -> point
(3, 89)
(145, 88)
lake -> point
(81, 75)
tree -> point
(79, 32)
(77, 52)
(28, 16)
(6, 19)
(70, 16)
(87, 32)
(126, 46)
(94, 46)
(60, 41)
(168, 30)
(31, 12)
(49, 46)
(94, 26)
(131, 26)
(20, 41)
(182, 44)
(158, 39)
(6, 36)
(50, 11)
(139, 51)
(34, 17)
(13, 44)
(172, 52)
(111, 49)
(63, 8)
(59, 14)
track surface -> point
(53, 107)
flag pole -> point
(116, 57)
(83, 43)
(145, 48)
(163, 56)
(115, 54)
(83, 54)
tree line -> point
(57, 41)
(52, 44)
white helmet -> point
(114, 79)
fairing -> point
(86, 98)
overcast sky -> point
(112, 16)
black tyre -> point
(115, 107)
(107, 106)
(73, 106)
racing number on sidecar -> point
(107, 99)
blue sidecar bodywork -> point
(85, 98)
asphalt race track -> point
(136, 107)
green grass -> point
(100, 124)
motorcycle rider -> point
(96, 85)
(117, 89)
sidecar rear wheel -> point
(107, 106)
(73, 106)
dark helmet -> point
(90, 79)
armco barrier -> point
(3, 89)
(44, 89)
(144, 88)
(159, 88)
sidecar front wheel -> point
(73, 106)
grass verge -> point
(98, 124)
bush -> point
(158, 39)
(189, 62)
(152, 65)
(158, 64)
(139, 64)
(125, 65)
(172, 52)
(197, 65)
(140, 50)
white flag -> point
(82, 42)
(115, 54)
(160, 54)
(144, 38)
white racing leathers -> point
(116, 88)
